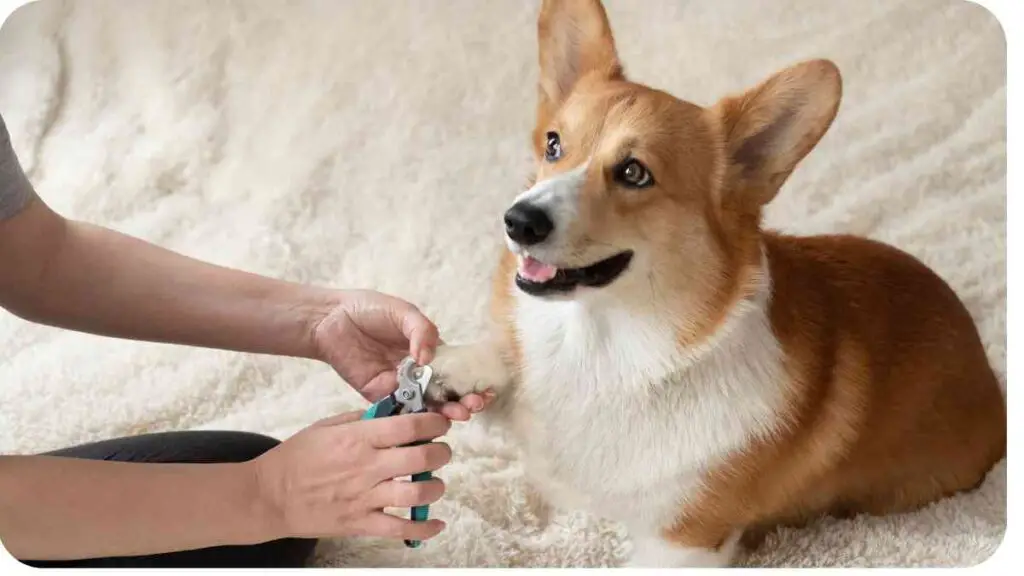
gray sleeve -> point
(15, 189)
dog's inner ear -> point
(575, 41)
(772, 127)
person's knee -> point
(241, 446)
(285, 553)
(256, 444)
(298, 552)
(198, 446)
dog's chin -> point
(563, 282)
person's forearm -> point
(64, 508)
(100, 281)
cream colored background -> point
(374, 144)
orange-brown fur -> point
(895, 404)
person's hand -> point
(335, 478)
(368, 334)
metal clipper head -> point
(413, 380)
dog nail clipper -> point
(408, 398)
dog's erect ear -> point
(770, 128)
(575, 40)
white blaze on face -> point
(558, 197)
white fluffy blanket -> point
(374, 144)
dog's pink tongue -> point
(536, 271)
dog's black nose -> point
(527, 224)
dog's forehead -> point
(587, 113)
(606, 120)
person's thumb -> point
(419, 330)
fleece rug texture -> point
(375, 144)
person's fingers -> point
(468, 405)
(385, 525)
(454, 411)
(398, 494)
(405, 429)
(380, 386)
(473, 402)
(487, 397)
(419, 330)
(396, 355)
(343, 418)
(409, 460)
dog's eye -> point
(634, 174)
(554, 147)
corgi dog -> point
(664, 362)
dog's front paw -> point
(655, 552)
(459, 371)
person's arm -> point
(91, 279)
(87, 278)
(63, 508)
(332, 479)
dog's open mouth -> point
(537, 278)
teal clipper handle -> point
(384, 408)
(374, 411)
(419, 513)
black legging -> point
(190, 447)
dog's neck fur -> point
(628, 394)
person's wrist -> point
(310, 307)
(263, 518)
(326, 329)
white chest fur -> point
(615, 417)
